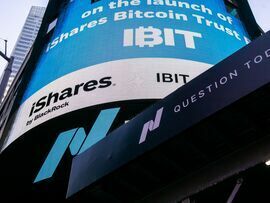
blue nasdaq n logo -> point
(77, 141)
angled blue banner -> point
(87, 34)
(235, 77)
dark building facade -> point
(96, 68)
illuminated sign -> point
(77, 141)
(104, 52)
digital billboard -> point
(212, 91)
(125, 50)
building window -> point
(26, 35)
(22, 46)
(28, 24)
(30, 21)
(19, 54)
(28, 42)
(19, 58)
(15, 67)
(17, 63)
(28, 28)
(232, 8)
(22, 50)
(26, 31)
(26, 39)
(12, 74)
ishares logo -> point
(77, 141)
(54, 97)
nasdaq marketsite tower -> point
(93, 76)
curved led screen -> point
(113, 51)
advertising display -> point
(115, 51)
(212, 91)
